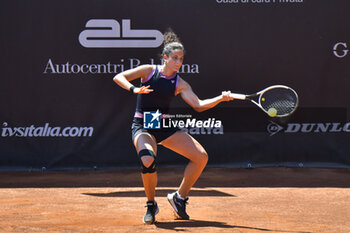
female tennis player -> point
(159, 84)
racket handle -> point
(238, 96)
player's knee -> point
(204, 158)
(148, 161)
(201, 159)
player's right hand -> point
(226, 96)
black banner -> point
(60, 108)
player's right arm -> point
(124, 78)
(197, 104)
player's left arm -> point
(197, 104)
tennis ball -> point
(272, 112)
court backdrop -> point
(60, 108)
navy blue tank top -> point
(163, 92)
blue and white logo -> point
(151, 120)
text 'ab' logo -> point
(106, 33)
(151, 120)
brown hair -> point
(171, 42)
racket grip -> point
(238, 96)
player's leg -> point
(184, 144)
(146, 148)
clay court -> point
(286, 200)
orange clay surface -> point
(286, 200)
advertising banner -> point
(60, 108)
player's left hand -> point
(143, 90)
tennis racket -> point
(276, 101)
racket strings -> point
(282, 107)
(283, 100)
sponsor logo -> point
(156, 120)
(107, 33)
(151, 120)
(340, 49)
(192, 123)
(108, 68)
(259, 1)
(335, 127)
(45, 131)
(273, 128)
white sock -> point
(178, 194)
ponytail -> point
(171, 42)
